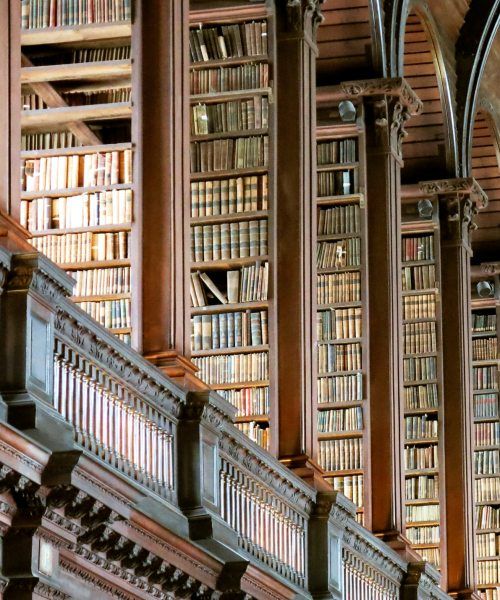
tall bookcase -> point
(342, 328)
(77, 195)
(422, 379)
(232, 203)
(485, 384)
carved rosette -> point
(303, 15)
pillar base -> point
(179, 368)
(308, 470)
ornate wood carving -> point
(304, 15)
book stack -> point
(231, 198)
(421, 392)
(340, 322)
(77, 194)
(485, 385)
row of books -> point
(86, 170)
(484, 377)
(339, 323)
(248, 401)
(84, 247)
(336, 288)
(422, 487)
(233, 368)
(229, 196)
(431, 555)
(419, 337)
(222, 241)
(37, 14)
(337, 151)
(339, 219)
(487, 434)
(419, 306)
(421, 457)
(421, 396)
(109, 96)
(345, 388)
(418, 427)
(231, 153)
(485, 405)
(339, 254)
(487, 571)
(86, 210)
(419, 368)
(422, 513)
(85, 55)
(488, 489)
(229, 330)
(114, 314)
(96, 282)
(343, 419)
(487, 462)
(421, 277)
(487, 517)
(248, 284)
(337, 183)
(32, 102)
(233, 115)
(484, 322)
(228, 41)
(487, 544)
(340, 455)
(48, 140)
(418, 248)
(485, 348)
(339, 357)
(229, 79)
(257, 433)
(423, 535)
(352, 486)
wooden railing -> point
(180, 447)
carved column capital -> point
(303, 15)
(34, 272)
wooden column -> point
(160, 43)
(10, 106)
(458, 202)
(296, 237)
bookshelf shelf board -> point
(486, 447)
(223, 351)
(422, 501)
(487, 476)
(485, 419)
(208, 175)
(95, 264)
(425, 546)
(485, 362)
(252, 418)
(486, 391)
(417, 263)
(421, 411)
(337, 236)
(228, 263)
(489, 530)
(343, 472)
(76, 150)
(238, 385)
(94, 229)
(335, 341)
(121, 330)
(495, 502)
(218, 308)
(337, 167)
(231, 61)
(414, 382)
(76, 33)
(339, 305)
(419, 354)
(482, 334)
(420, 320)
(76, 191)
(108, 69)
(335, 373)
(494, 557)
(420, 292)
(230, 218)
(421, 441)
(330, 405)
(222, 135)
(488, 586)
(332, 270)
(337, 435)
(422, 523)
(342, 199)
(33, 119)
(230, 95)
(418, 472)
(101, 297)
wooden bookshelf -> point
(343, 404)
(78, 191)
(422, 380)
(486, 410)
(231, 210)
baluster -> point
(154, 453)
(57, 377)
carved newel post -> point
(297, 22)
(459, 200)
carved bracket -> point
(303, 15)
